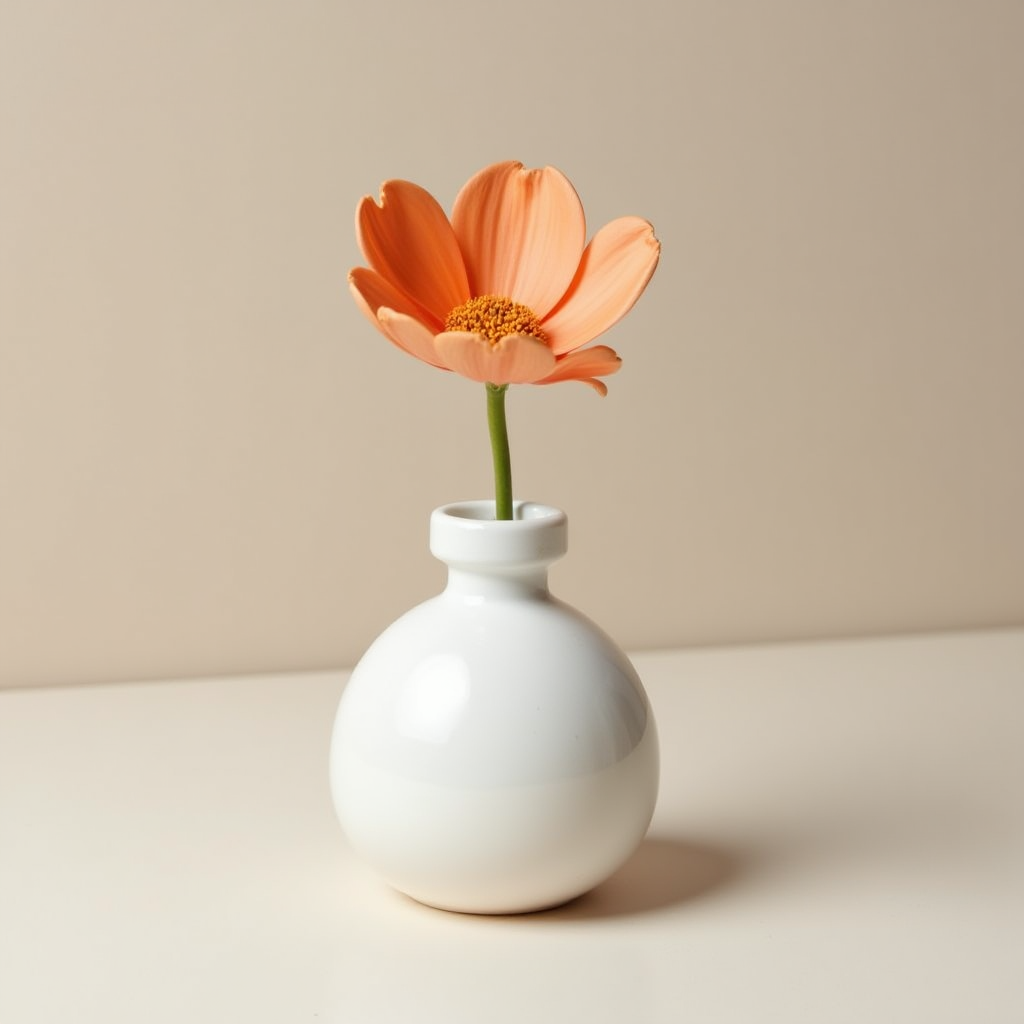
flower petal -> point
(407, 239)
(410, 335)
(612, 275)
(371, 291)
(585, 365)
(514, 359)
(521, 233)
(598, 385)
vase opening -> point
(466, 533)
(483, 511)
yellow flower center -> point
(494, 317)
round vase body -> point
(494, 751)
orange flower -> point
(505, 292)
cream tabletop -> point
(839, 837)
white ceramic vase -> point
(494, 751)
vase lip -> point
(466, 533)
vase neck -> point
(496, 583)
(497, 558)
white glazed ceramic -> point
(494, 751)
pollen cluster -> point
(494, 317)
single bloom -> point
(507, 291)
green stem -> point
(499, 449)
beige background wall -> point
(210, 463)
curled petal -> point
(521, 233)
(514, 359)
(598, 385)
(586, 365)
(407, 239)
(410, 335)
(371, 292)
(612, 275)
